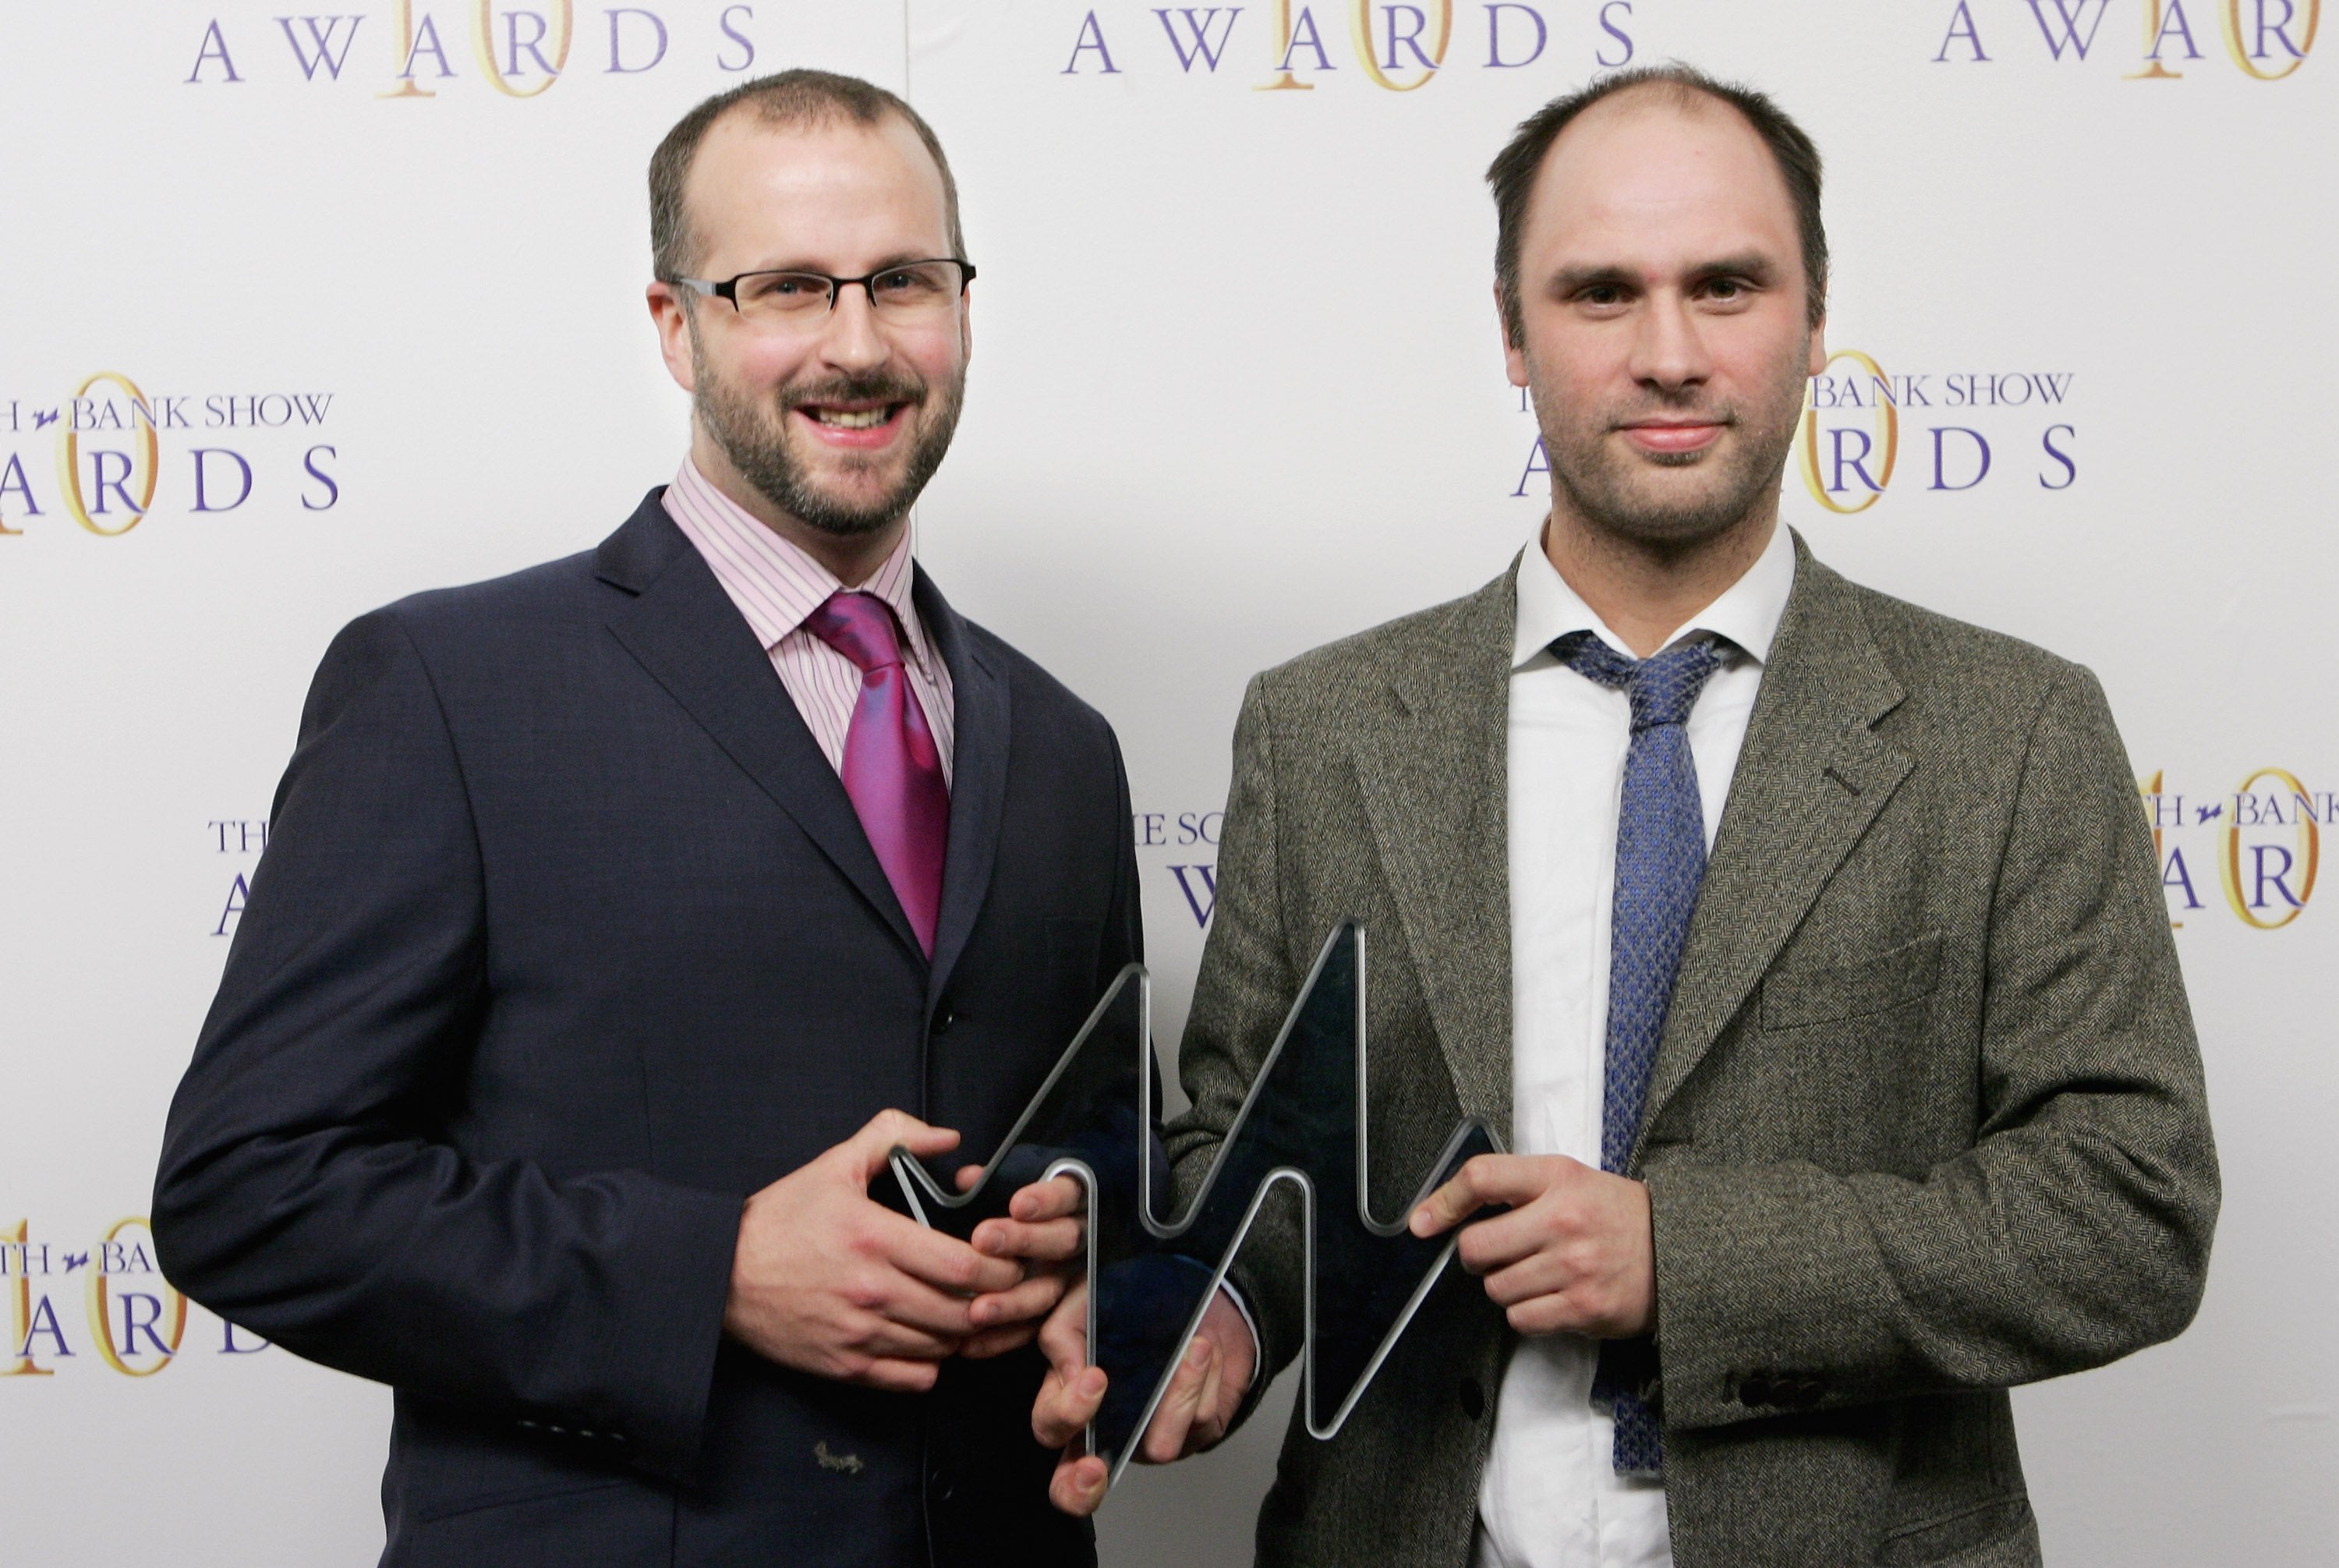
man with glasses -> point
(621, 916)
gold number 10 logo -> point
(112, 1322)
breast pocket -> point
(1832, 993)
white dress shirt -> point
(1551, 1497)
(775, 585)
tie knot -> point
(1662, 687)
(860, 627)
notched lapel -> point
(684, 631)
(980, 724)
(1810, 778)
(1433, 776)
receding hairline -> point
(812, 114)
(1517, 170)
(1686, 99)
(808, 118)
(798, 98)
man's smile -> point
(862, 425)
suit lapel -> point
(978, 776)
(1435, 783)
(1811, 776)
(682, 628)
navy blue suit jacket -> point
(567, 939)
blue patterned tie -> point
(1660, 862)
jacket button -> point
(1473, 1397)
(943, 1019)
(1807, 1392)
(1757, 1389)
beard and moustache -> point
(1606, 486)
(755, 435)
(1610, 489)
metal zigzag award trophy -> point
(1151, 1274)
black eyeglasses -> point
(906, 293)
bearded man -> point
(1809, 946)
(621, 916)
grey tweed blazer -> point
(1927, 1120)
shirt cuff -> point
(1257, 1350)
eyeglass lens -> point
(910, 292)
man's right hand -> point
(827, 1281)
(1195, 1412)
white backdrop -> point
(374, 277)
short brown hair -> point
(1512, 175)
(786, 98)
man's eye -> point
(1726, 288)
(912, 282)
(1602, 294)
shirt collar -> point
(775, 584)
(1747, 614)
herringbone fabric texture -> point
(1660, 862)
(1928, 1027)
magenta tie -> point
(892, 770)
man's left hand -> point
(1042, 1228)
(1575, 1254)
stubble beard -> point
(755, 434)
(1610, 486)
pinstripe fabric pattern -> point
(776, 586)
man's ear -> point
(671, 313)
(1514, 357)
(1818, 355)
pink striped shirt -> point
(775, 585)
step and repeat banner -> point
(301, 312)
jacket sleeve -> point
(1124, 931)
(2074, 1231)
(1241, 995)
(306, 1190)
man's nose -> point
(851, 338)
(1669, 349)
